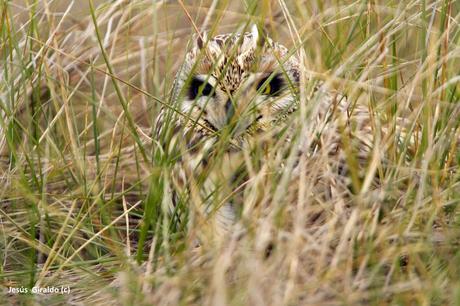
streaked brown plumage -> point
(233, 92)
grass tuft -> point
(86, 192)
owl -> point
(243, 81)
(230, 93)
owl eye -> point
(198, 86)
(271, 88)
(267, 90)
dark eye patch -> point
(273, 88)
(196, 85)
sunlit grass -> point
(86, 189)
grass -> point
(85, 188)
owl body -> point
(232, 93)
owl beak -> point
(239, 110)
(229, 111)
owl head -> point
(240, 83)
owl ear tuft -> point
(199, 40)
(258, 35)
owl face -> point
(238, 83)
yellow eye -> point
(267, 90)
(271, 85)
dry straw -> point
(84, 182)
